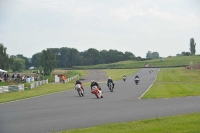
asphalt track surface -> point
(66, 110)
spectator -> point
(5, 77)
(15, 75)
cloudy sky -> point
(165, 26)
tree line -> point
(152, 55)
(68, 57)
(51, 58)
(192, 48)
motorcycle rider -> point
(110, 81)
(79, 82)
(93, 83)
(124, 76)
(137, 76)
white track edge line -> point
(149, 86)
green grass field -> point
(175, 82)
(172, 61)
(40, 90)
(116, 74)
(175, 124)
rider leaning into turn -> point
(93, 83)
(79, 82)
(110, 81)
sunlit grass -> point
(41, 90)
(169, 90)
(178, 75)
(173, 61)
(175, 124)
(117, 74)
(175, 82)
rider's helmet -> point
(109, 78)
(92, 81)
(77, 81)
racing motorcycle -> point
(124, 78)
(137, 80)
(110, 86)
(98, 93)
(79, 90)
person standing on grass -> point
(5, 77)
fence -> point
(20, 87)
(71, 78)
(11, 88)
(38, 83)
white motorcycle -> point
(137, 80)
(80, 90)
(124, 78)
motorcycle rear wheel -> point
(79, 92)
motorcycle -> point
(137, 80)
(124, 78)
(110, 86)
(97, 92)
(79, 90)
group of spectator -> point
(16, 77)
(3, 77)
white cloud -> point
(84, 10)
(160, 26)
(126, 13)
(153, 11)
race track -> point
(66, 110)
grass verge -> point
(175, 82)
(116, 74)
(165, 62)
(41, 90)
(188, 123)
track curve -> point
(66, 110)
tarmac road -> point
(66, 110)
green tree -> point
(155, 55)
(64, 58)
(56, 52)
(49, 61)
(36, 60)
(149, 55)
(27, 60)
(18, 64)
(128, 56)
(4, 60)
(104, 55)
(185, 53)
(93, 56)
(192, 46)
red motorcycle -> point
(97, 92)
